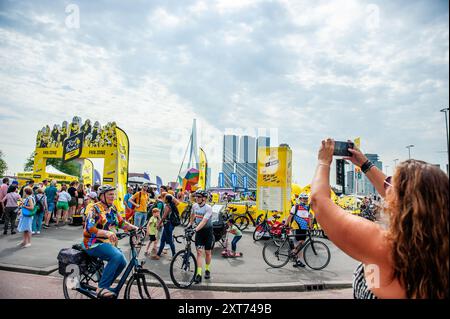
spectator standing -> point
(10, 202)
(167, 235)
(73, 198)
(3, 192)
(26, 219)
(81, 194)
(140, 200)
(411, 258)
(129, 207)
(41, 207)
(62, 205)
(50, 193)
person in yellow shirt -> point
(140, 200)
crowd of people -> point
(410, 255)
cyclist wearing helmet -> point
(100, 240)
(301, 214)
(140, 200)
(204, 237)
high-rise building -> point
(368, 187)
(230, 157)
(240, 156)
(350, 182)
(246, 165)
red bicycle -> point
(268, 227)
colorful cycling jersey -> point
(302, 215)
(100, 218)
(202, 212)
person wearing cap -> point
(50, 193)
(92, 199)
(301, 214)
(140, 200)
(100, 238)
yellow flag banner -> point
(203, 166)
(88, 172)
(123, 149)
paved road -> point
(240, 273)
(28, 286)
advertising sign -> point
(221, 180)
(274, 178)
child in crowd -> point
(233, 229)
(152, 231)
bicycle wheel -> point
(72, 283)
(317, 255)
(145, 284)
(260, 231)
(183, 268)
(274, 255)
(242, 222)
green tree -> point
(3, 166)
(28, 167)
(71, 168)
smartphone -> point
(341, 148)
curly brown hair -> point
(418, 205)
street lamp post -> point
(409, 150)
(395, 162)
(445, 110)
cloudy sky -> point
(305, 69)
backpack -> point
(174, 218)
(39, 205)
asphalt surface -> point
(15, 285)
(248, 273)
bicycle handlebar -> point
(120, 236)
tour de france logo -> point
(73, 147)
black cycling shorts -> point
(300, 234)
(204, 239)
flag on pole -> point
(146, 176)
(202, 170)
(159, 183)
(221, 180)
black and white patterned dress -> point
(360, 288)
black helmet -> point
(201, 193)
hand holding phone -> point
(341, 148)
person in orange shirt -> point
(140, 200)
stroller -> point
(219, 225)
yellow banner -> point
(88, 172)
(202, 170)
(122, 158)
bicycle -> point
(266, 226)
(186, 215)
(143, 283)
(315, 253)
(184, 264)
(243, 220)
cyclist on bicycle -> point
(204, 237)
(100, 240)
(301, 214)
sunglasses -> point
(388, 182)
